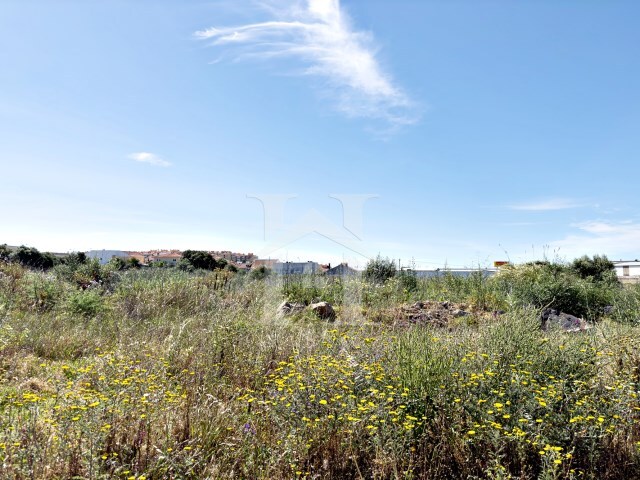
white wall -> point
(634, 269)
(104, 256)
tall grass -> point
(169, 374)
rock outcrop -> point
(324, 310)
(553, 319)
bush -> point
(117, 263)
(87, 303)
(308, 289)
(5, 253)
(39, 293)
(626, 305)
(75, 259)
(598, 268)
(133, 263)
(89, 274)
(200, 259)
(408, 280)
(185, 265)
(260, 273)
(379, 270)
(555, 286)
(33, 258)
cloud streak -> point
(319, 34)
(150, 158)
(615, 239)
(548, 205)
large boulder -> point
(553, 319)
(323, 310)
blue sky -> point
(486, 130)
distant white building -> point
(296, 268)
(627, 269)
(105, 256)
(456, 272)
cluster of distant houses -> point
(303, 268)
(169, 257)
(242, 261)
(628, 270)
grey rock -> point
(554, 319)
(323, 310)
(289, 308)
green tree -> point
(260, 272)
(221, 263)
(200, 259)
(117, 263)
(598, 268)
(379, 270)
(185, 265)
(133, 262)
(5, 253)
(33, 258)
(75, 259)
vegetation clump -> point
(379, 270)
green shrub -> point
(300, 289)
(185, 265)
(40, 293)
(260, 273)
(33, 258)
(117, 263)
(626, 305)
(200, 259)
(556, 286)
(5, 253)
(311, 288)
(75, 259)
(92, 274)
(133, 262)
(598, 268)
(87, 303)
(379, 270)
(408, 280)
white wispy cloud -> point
(150, 158)
(320, 35)
(547, 205)
(615, 239)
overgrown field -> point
(160, 373)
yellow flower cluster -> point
(87, 404)
(517, 403)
